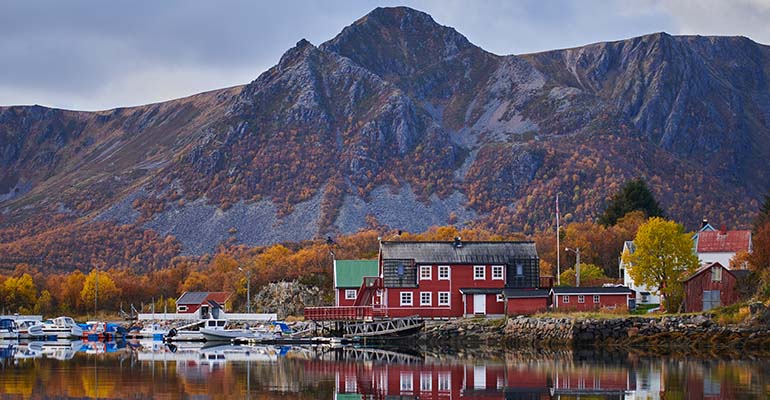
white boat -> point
(187, 334)
(59, 350)
(154, 332)
(8, 329)
(29, 328)
(222, 335)
(62, 328)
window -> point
(426, 298)
(443, 272)
(519, 269)
(350, 294)
(406, 382)
(443, 298)
(581, 299)
(480, 377)
(444, 382)
(500, 298)
(596, 299)
(426, 382)
(716, 274)
(565, 299)
(479, 272)
(351, 386)
(425, 272)
(406, 298)
(182, 308)
(497, 272)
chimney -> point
(458, 242)
(723, 229)
(704, 223)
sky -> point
(94, 54)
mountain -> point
(399, 122)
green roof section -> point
(351, 273)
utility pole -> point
(248, 289)
(558, 247)
(576, 250)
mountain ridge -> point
(398, 121)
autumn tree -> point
(764, 213)
(663, 256)
(590, 275)
(634, 195)
(19, 293)
(759, 259)
(99, 284)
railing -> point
(351, 313)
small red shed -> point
(591, 298)
(711, 286)
(526, 301)
(191, 302)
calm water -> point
(98, 370)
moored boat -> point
(29, 328)
(188, 334)
(8, 329)
(62, 328)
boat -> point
(152, 331)
(222, 335)
(8, 329)
(62, 328)
(188, 334)
(97, 330)
(29, 328)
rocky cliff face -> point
(401, 120)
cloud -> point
(91, 54)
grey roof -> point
(481, 290)
(192, 298)
(449, 253)
(524, 293)
(740, 273)
(591, 290)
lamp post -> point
(576, 250)
(96, 290)
(248, 289)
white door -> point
(479, 304)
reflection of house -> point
(348, 277)
(711, 286)
(644, 295)
(721, 245)
(453, 279)
(192, 302)
(591, 298)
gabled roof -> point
(351, 273)
(481, 290)
(525, 293)
(630, 246)
(195, 298)
(724, 241)
(464, 253)
(706, 267)
(591, 290)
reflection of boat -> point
(8, 329)
(62, 328)
(198, 353)
(24, 351)
(60, 349)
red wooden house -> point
(191, 302)
(711, 286)
(591, 298)
(453, 279)
(348, 277)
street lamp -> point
(248, 289)
(576, 250)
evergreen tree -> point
(764, 213)
(634, 195)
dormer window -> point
(716, 274)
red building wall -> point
(461, 276)
(619, 300)
(694, 288)
(526, 306)
(341, 301)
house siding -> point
(526, 306)
(605, 300)
(695, 286)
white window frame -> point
(500, 298)
(351, 385)
(350, 294)
(403, 299)
(716, 274)
(448, 299)
(581, 299)
(424, 296)
(426, 382)
(444, 382)
(406, 383)
(495, 270)
(182, 308)
(426, 276)
(565, 299)
(597, 299)
(444, 268)
(476, 275)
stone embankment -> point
(683, 332)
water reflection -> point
(154, 370)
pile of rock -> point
(286, 298)
(464, 330)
